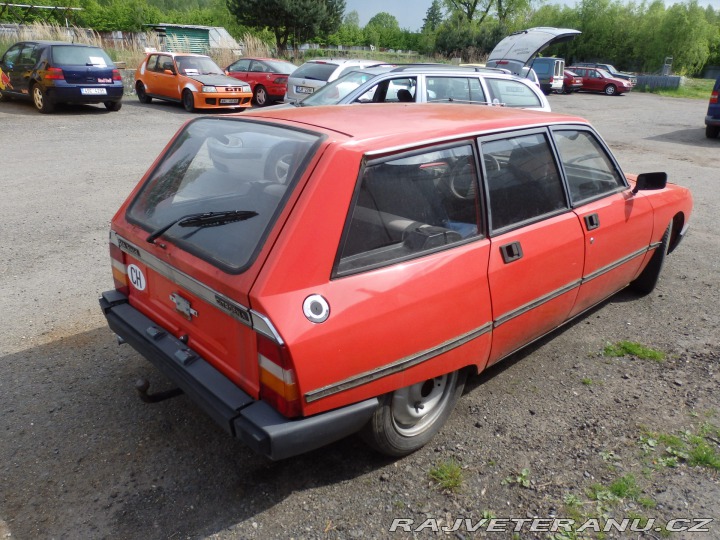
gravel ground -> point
(558, 430)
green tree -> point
(383, 30)
(433, 17)
(291, 20)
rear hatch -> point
(518, 49)
(192, 240)
(83, 65)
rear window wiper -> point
(204, 219)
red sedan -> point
(307, 273)
(599, 80)
(267, 77)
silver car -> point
(428, 83)
(314, 74)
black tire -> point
(4, 97)
(398, 428)
(610, 90)
(646, 282)
(141, 93)
(41, 100)
(113, 106)
(711, 132)
(567, 90)
(188, 100)
(261, 96)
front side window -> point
(589, 170)
(12, 55)
(240, 65)
(522, 179)
(220, 187)
(512, 93)
(411, 206)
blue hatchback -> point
(712, 120)
(50, 72)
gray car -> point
(315, 74)
(430, 83)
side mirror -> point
(169, 72)
(649, 181)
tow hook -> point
(142, 386)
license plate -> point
(228, 101)
(303, 90)
(93, 91)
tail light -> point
(552, 79)
(281, 80)
(116, 75)
(54, 74)
(119, 270)
(278, 386)
(714, 97)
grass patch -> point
(700, 449)
(521, 479)
(625, 487)
(448, 475)
(631, 348)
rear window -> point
(80, 56)
(315, 71)
(220, 187)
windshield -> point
(333, 92)
(224, 171)
(197, 65)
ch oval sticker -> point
(137, 278)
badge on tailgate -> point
(182, 305)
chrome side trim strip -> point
(396, 367)
(612, 266)
(535, 303)
(237, 311)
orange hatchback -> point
(307, 273)
(194, 80)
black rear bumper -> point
(257, 424)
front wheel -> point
(261, 96)
(610, 90)
(409, 417)
(41, 100)
(646, 282)
(188, 100)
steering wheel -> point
(463, 184)
(491, 163)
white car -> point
(315, 74)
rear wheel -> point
(711, 132)
(113, 105)
(41, 100)
(188, 100)
(610, 90)
(141, 93)
(4, 97)
(646, 282)
(409, 417)
(261, 96)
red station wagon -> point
(304, 274)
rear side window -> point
(512, 93)
(238, 174)
(455, 90)
(315, 71)
(589, 170)
(80, 56)
(410, 206)
(523, 180)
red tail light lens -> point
(116, 75)
(278, 386)
(281, 80)
(714, 97)
(119, 270)
(54, 74)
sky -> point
(410, 13)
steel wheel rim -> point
(416, 408)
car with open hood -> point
(194, 80)
(306, 273)
(519, 48)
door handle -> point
(592, 221)
(511, 252)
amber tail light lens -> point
(278, 385)
(119, 270)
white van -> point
(551, 72)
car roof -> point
(176, 54)
(50, 42)
(343, 61)
(407, 123)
